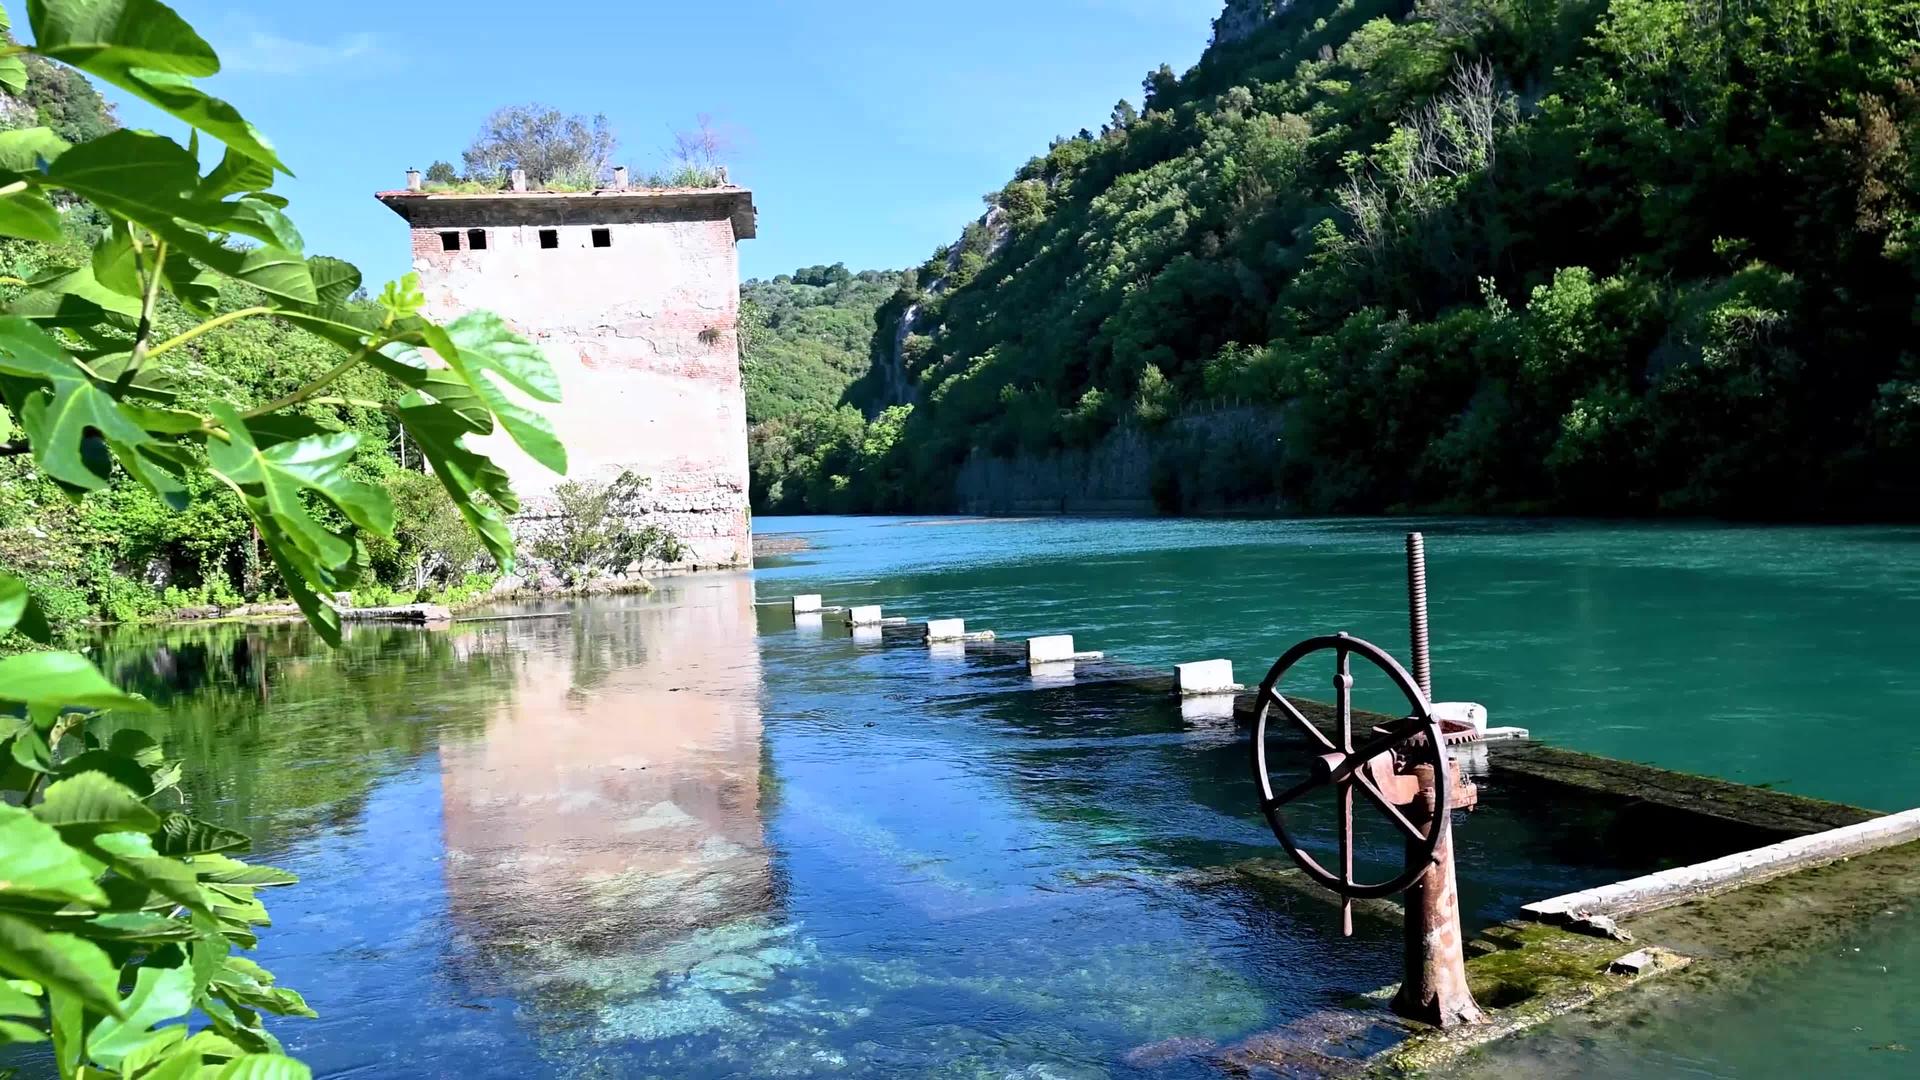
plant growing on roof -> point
(120, 913)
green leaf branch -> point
(123, 919)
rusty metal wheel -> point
(1414, 739)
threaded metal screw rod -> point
(1417, 611)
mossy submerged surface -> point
(668, 838)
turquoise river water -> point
(680, 835)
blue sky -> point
(867, 130)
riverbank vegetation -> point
(173, 363)
(125, 554)
(1593, 256)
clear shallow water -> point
(1779, 656)
(679, 836)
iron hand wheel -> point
(1415, 738)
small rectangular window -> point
(603, 238)
(549, 238)
(476, 239)
(449, 241)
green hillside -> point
(1632, 256)
(806, 338)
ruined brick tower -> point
(634, 294)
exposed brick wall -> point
(643, 334)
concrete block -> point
(1601, 926)
(1634, 963)
(1204, 677)
(864, 616)
(1207, 709)
(805, 603)
(1684, 883)
(1463, 712)
(809, 622)
(1051, 649)
(1052, 673)
(946, 630)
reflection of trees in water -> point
(278, 734)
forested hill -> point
(808, 336)
(1627, 256)
(806, 339)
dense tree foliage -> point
(806, 338)
(124, 554)
(554, 148)
(1591, 255)
(575, 152)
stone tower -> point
(634, 294)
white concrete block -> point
(809, 622)
(1463, 712)
(1052, 673)
(1207, 709)
(805, 603)
(1051, 649)
(864, 616)
(946, 630)
(1204, 677)
(1683, 883)
(1634, 963)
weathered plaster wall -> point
(643, 336)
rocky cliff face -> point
(1242, 17)
(1214, 462)
(896, 382)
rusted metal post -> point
(1417, 611)
(1434, 990)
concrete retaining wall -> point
(1219, 461)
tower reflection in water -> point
(604, 833)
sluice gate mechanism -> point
(1404, 770)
